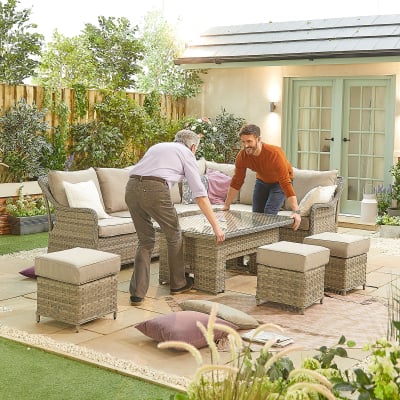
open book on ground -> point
(264, 336)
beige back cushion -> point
(306, 179)
(56, 179)
(246, 191)
(112, 184)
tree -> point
(159, 73)
(19, 47)
(66, 62)
(116, 52)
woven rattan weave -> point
(293, 289)
(323, 218)
(76, 304)
(344, 274)
(245, 232)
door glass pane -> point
(366, 97)
(366, 120)
(380, 96)
(304, 119)
(355, 96)
(354, 120)
(326, 97)
(379, 121)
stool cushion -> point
(292, 256)
(77, 265)
(340, 244)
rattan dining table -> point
(206, 260)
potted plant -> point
(26, 214)
(389, 226)
(383, 197)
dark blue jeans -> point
(268, 198)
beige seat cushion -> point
(77, 265)
(292, 256)
(116, 226)
(56, 179)
(340, 244)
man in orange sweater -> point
(274, 175)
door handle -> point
(346, 140)
(331, 139)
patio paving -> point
(361, 315)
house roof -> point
(368, 36)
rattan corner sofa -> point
(81, 226)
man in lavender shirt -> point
(148, 197)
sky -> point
(190, 17)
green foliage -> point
(383, 198)
(57, 157)
(386, 219)
(96, 144)
(141, 127)
(81, 103)
(395, 172)
(115, 52)
(159, 73)
(376, 380)
(19, 46)
(66, 62)
(220, 141)
(23, 140)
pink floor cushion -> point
(29, 272)
(181, 326)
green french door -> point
(343, 124)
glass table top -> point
(233, 223)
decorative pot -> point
(393, 212)
(26, 225)
(389, 231)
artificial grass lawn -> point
(14, 243)
(28, 373)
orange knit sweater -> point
(270, 166)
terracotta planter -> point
(27, 225)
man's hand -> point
(297, 220)
(220, 235)
(225, 208)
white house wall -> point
(247, 92)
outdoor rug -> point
(358, 317)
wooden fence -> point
(10, 94)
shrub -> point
(23, 141)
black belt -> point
(148, 178)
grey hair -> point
(187, 137)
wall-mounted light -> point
(272, 106)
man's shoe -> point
(136, 301)
(186, 288)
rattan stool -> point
(291, 274)
(347, 268)
(77, 285)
